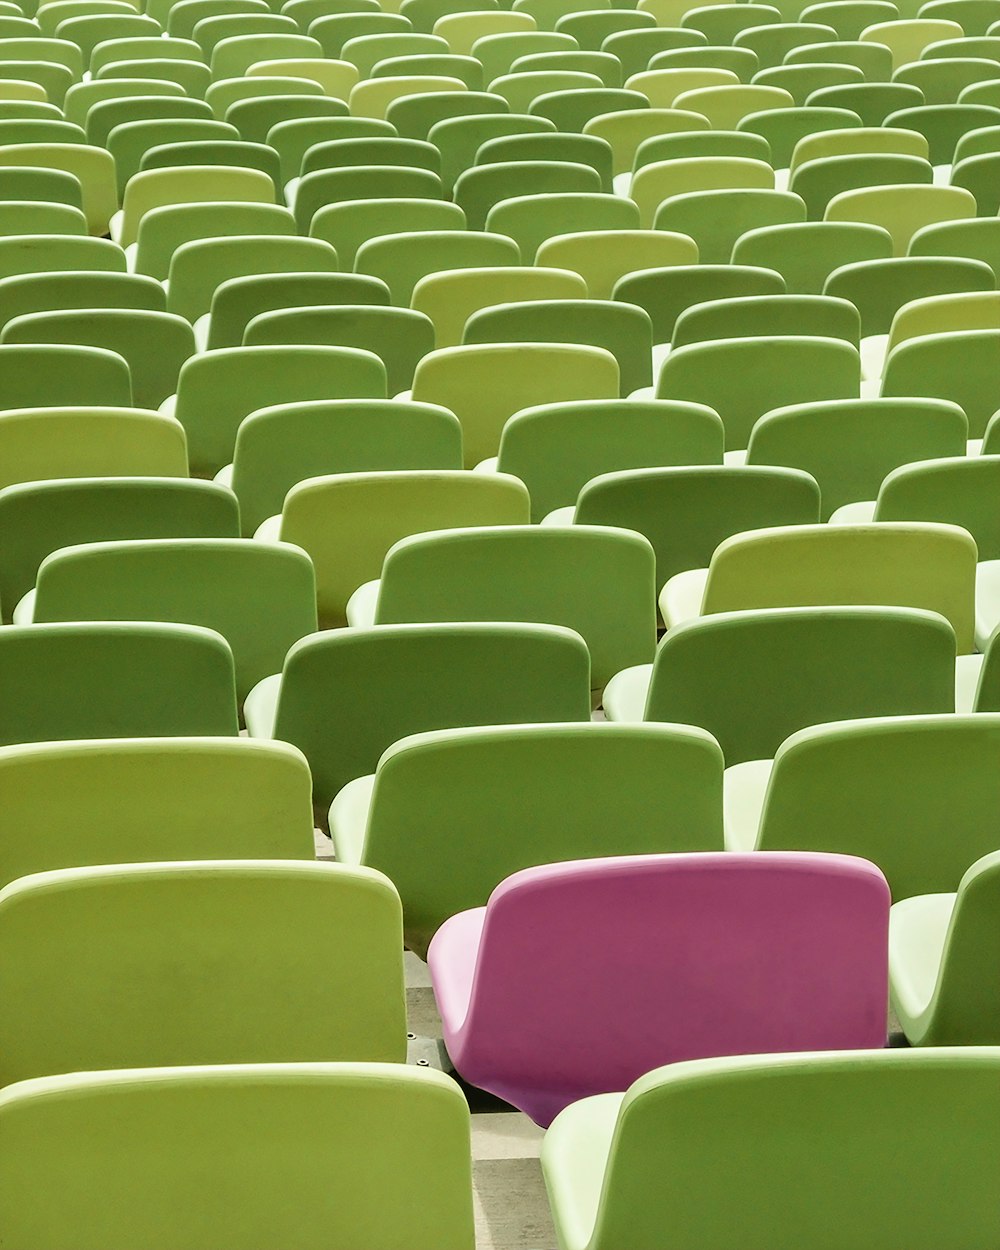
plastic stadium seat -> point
(652, 184)
(180, 682)
(603, 257)
(344, 696)
(688, 143)
(782, 1136)
(742, 62)
(130, 141)
(980, 175)
(37, 518)
(459, 139)
(944, 125)
(109, 110)
(873, 102)
(716, 219)
(22, 294)
(218, 389)
(556, 448)
(670, 958)
(402, 260)
(749, 316)
(665, 293)
(943, 960)
(721, 23)
(324, 187)
(578, 149)
(497, 53)
(54, 375)
(626, 129)
(907, 39)
(360, 1124)
(801, 80)
(961, 366)
(943, 80)
(977, 239)
(582, 790)
(94, 167)
(192, 184)
(820, 181)
(350, 223)
(530, 220)
(478, 189)
(606, 66)
(484, 385)
(17, 216)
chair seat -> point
(873, 352)
(987, 601)
(201, 329)
(660, 353)
(577, 1150)
(269, 531)
(917, 931)
(967, 671)
(225, 475)
(625, 694)
(621, 184)
(737, 458)
(489, 465)
(681, 598)
(743, 789)
(349, 819)
(559, 516)
(261, 706)
(361, 605)
(459, 939)
(24, 612)
(862, 512)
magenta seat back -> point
(593, 972)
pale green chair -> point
(94, 167)
(54, 376)
(603, 257)
(192, 184)
(163, 231)
(652, 184)
(902, 210)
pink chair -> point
(577, 978)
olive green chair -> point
(884, 788)
(944, 961)
(961, 366)
(873, 102)
(344, 696)
(217, 389)
(130, 141)
(819, 182)
(22, 294)
(980, 175)
(351, 223)
(782, 1137)
(666, 292)
(190, 184)
(742, 62)
(604, 65)
(37, 518)
(61, 682)
(260, 597)
(850, 445)
(416, 115)
(942, 80)
(743, 378)
(850, 17)
(685, 512)
(498, 52)
(555, 449)
(976, 239)
(323, 187)
(903, 209)
(573, 780)
(484, 385)
(402, 260)
(393, 1141)
(685, 143)
(773, 41)
(530, 220)
(603, 257)
(652, 184)
(459, 139)
(278, 447)
(944, 125)
(348, 521)
(163, 231)
(579, 149)
(93, 166)
(478, 189)
(626, 129)
(806, 253)
(820, 316)
(717, 219)
(54, 375)
(907, 564)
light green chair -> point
(451, 297)
(688, 143)
(555, 449)
(598, 581)
(402, 260)
(484, 386)
(942, 80)
(22, 294)
(478, 189)
(850, 17)
(344, 696)
(260, 597)
(54, 376)
(944, 961)
(530, 220)
(347, 522)
(860, 140)
(358, 1123)
(821, 181)
(573, 781)
(94, 167)
(603, 257)
(16, 216)
(961, 366)
(850, 445)
(721, 23)
(626, 129)
(768, 1133)
(746, 377)
(652, 184)
(907, 564)
(726, 106)
(742, 62)
(908, 38)
(217, 389)
(902, 210)
(192, 184)
(520, 90)
(350, 223)
(180, 682)
(129, 142)
(820, 316)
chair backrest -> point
(348, 521)
(582, 790)
(958, 490)
(129, 1168)
(879, 288)
(347, 695)
(260, 597)
(749, 1130)
(888, 787)
(402, 260)
(916, 565)
(51, 376)
(716, 219)
(37, 518)
(806, 253)
(180, 681)
(752, 678)
(666, 292)
(820, 316)
(961, 366)
(902, 210)
(674, 937)
(603, 257)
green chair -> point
(257, 116)
(960, 366)
(626, 129)
(466, 68)
(975, 19)
(725, 107)
(163, 231)
(399, 337)
(23, 294)
(180, 682)
(873, 59)
(450, 298)
(53, 376)
(590, 29)
(417, 115)
(983, 141)
(232, 56)
(347, 522)
(191, 76)
(192, 184)
(344, 696)
(260, 598)
(915, 565)
(943, 125)
(652, 184)
(358, 1123)
(902, 210)
(721, 23)
(599, 581)
(238, 300)
(860, 141)
(93, 166)
(943, 80)
(484, 386)
(156, 47)
(335, 30)
(908, 38)
(83, 96)
(318, 190)
(217, 389)
(199, 268)
(479, 189)
(425, 14)
(522, 89)
(701, 143)
(980, 175)
(555, 449)
(462, 30)
(578, 149)
(126, 108)
(375, 96)
(977, 239)
(943, 961)
(498, 52)
(129, 142)
(743, 378)
(89, 31)
(662, 86)
(665, 292)
(547, 12)
(821, 181)
(850, 17)
(622, 329)
(850, 445)
(401, 261)
(19, 215)
(139, 799)
(603, 257)
(773, 41)
(154, 345)
(232, 153)
(873, 102)
(350, 223)
(37, 518)
(606, 66)
(717, 219)
(939, 314)
(573, 107)
(280, 446)
(532, 219)
(39, 130)
(781, 1136)
(806, 253)
(572, 782)
(459, 139)
(742, 62)
(817, 316)
(982, 93)
(30, 184)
